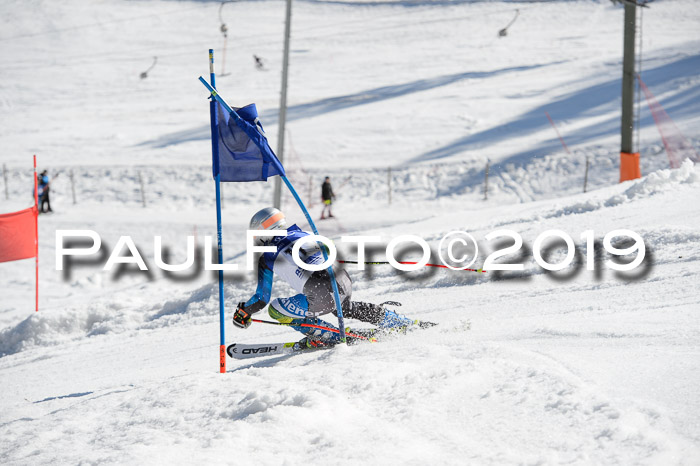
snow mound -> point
(663, 180)
(54, 327)
(656, 182)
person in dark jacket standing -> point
(327, 196)
(44, 188)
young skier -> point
(315, 296)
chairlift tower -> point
(282, 120)
(629, 160)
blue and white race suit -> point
(315, 296)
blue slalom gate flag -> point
(241, 161)
(243, 151)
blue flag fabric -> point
(243, 151)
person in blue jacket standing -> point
(43, 192)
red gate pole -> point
(36, 234)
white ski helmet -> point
(268, 218)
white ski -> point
(243, 351)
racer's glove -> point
(241, 318)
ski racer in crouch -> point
(315, 296)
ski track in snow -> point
(507, 405)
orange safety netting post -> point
(629, 166)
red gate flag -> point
(18, 235)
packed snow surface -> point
(525, 367)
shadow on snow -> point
(599, 99)
(334, 104)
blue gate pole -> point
(215, 156)
(336, 295)
(331, 273)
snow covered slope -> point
(576, 366)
